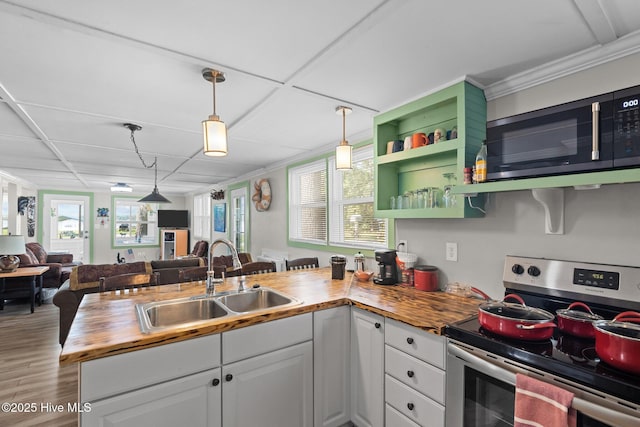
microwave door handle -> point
(595, 131)
(590, 409)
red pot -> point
(578, 323)
(513, 320)
(618, 341)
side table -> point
(36, 275)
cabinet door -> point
(193, 401)
(367, 368)
(271, 390)
(331, 342)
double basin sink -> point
(165, 315)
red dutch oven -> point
(515, 320)
(578, 323)
(618, 341)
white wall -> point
(600, 225)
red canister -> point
(425, 277)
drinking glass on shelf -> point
(392, 203)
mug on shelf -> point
(419, 139)
(398, 145)
(408, 143)
(389, 147)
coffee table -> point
(34, 273)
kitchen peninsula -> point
(313, 339)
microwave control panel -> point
(627, 125)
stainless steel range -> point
(481, 366)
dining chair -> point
(127, 281)
(302, 263)
(258, 267)
(193, 274)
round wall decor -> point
(262, 196)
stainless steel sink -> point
(165, 315)
(162, 315)
(255, 300)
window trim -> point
(328, 247)
(245, 185)
(204, 220)
(113, 222)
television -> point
(173, 218)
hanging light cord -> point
(214, 75)
(155, 161)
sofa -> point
(84, 279)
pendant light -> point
(154, 196)
(343, 151)
(214, 129)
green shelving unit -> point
(461, 105)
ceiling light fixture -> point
(155, 196)
(214, 129)
(343, 151)
(121, 187)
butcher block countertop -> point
(106, 323)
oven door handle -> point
(597, 412)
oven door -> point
(567, 138)
(481, 392)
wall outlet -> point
(402, 246)
(451, 251)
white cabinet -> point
(331, 367)
(367, 368)
(415, 376)
(174, 243)
(271, 390)
(193, 400)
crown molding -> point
(584, 60)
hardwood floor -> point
(29, 370)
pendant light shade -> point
(344, 150)
(215, 136)
(213, 129)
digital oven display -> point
(596, 278)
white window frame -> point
(152, 223)
(201, 221)
(239, 216)
(334, 203)
(295, 206)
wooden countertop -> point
(106, 324)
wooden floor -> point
(29, 370)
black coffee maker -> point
(387, 267)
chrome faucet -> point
(237, 265)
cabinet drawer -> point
(393, 418)
(423, 345)
(123, 372)
(415, 373)
(265, 337)
(417, 407)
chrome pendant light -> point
(155, 196)
(214, 129)
(344, 150)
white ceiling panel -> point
(81, 68)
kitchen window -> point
(134, 223)
(201, 217)
(335, 208)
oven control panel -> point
(601, 283)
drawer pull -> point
(228, 377)
(409, 340)
(215, 382)
(410, 374)
(377, 325)
(410, 406)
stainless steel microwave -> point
(591, 134)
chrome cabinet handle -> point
(595, 130)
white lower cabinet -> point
(193, 400)
(331, 367)
(271, 390)
(414, 376)
(367, 368)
